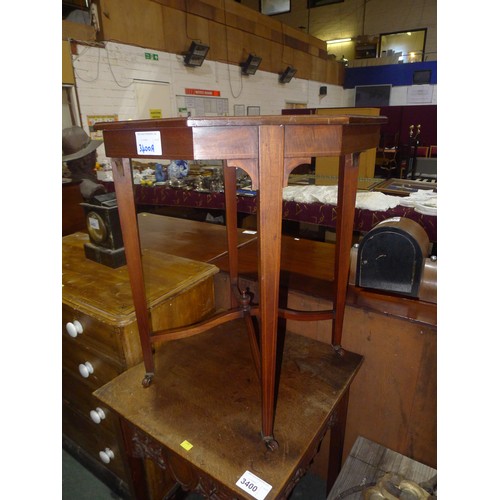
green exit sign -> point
(151, 56)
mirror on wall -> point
(410, 44)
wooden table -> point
(268, 148)
(194, 240)
(217, 411)
(306, 265)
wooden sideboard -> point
(100, 339)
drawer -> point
(100, 368)
(79, 397)
(101, 336)
(93, 440)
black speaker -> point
(322, 91)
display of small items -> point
(181, 174)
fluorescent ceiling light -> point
(339, 40)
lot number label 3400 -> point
(253, 485)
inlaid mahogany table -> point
(200, 419)
(268, 148)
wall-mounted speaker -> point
(196, 54)
(287, 75)
(250, 66)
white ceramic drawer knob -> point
(97, 415)
(74, 329)
(86, 369)
(107, 455)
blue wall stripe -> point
(395, 74)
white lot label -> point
(148, 143)
(253, 485)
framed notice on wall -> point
(419, 94)
(202, 106)
(239, 110)
(93, 119)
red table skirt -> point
(314, 213)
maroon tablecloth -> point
(314, 213)
(364, 220)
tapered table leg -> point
(346, 204)
(232, 247)
(271, 155)
(231, 229)
(124, 189)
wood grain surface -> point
(206, 391)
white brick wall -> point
(105, 83)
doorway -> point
(153, 99)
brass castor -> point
(271, 443)
(339, 351)
(146, 381)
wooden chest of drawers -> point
(100, 338)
